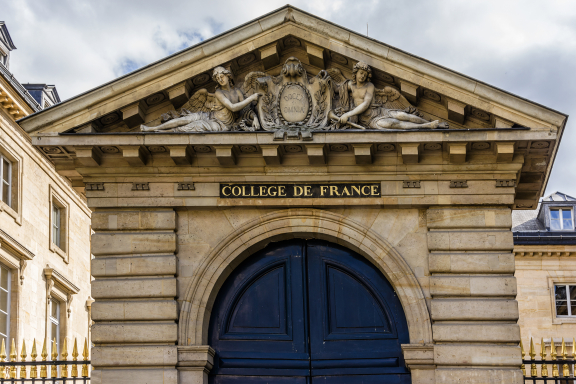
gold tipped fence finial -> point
(54, 371)
(64, 354)
(532, 353)
(23, 359)
(13, 356)
(33, 355)
(523, 367)
(3, 359)
(85, 357)
(553, 353)
(544, 368)
(74, 372)
(43, 370)
(565, 370)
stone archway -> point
(299, 223)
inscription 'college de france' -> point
(299, 191)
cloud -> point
(527, 48)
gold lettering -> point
(366, 193)
(281, 191)
(224, 190)
(334, 190)
(262, 191)
(307, 191)
(270, 191)
(252, 192)
(298, 191)
(373, 190)
(244, 191)
(236, 193)
(323, 189)
(356, 189)
(345, 191)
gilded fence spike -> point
(532, 353)
(523, 367)
(74, 372)
(54, 371)
(565, 370)
(13, 356)
(64, 354)
(85, 357)
(574, 356)
(43, 370)
(544, 367)
(23, 359)
(553, 353)
(33, 355)
(3, 358)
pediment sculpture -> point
(292, 103)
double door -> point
(307, 312)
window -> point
(565, 300)
(4, 303)
(59, 217)
(56, 225)
(6, 177)
(54, 323)
(561, 219)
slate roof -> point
(527, 221)
(559, 196)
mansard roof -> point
(559, 196)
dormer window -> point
(561, 219)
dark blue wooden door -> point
(307, 312)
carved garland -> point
(279, 111)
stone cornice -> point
(544, 250)
(19, 250)
(53, 275)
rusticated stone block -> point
(129, 243)
(479, 376)
(476, 332)
(470, 241)
(150, 355)
(134, 376)
(471, 263)
(133, 288)
(474, 309)
(134, 266)
(135, 333)
(477, 355)
(134, 310)
(134, 220)
(472, 286)
(469, 218)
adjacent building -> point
(545, 250)
(44, 227)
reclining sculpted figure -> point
(363, 105)
(205, 111)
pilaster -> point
(473, 307)
(135, 311)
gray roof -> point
(527, 221)
(558, 196)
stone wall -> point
(26, 247)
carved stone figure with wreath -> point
(227, 109)
(359, 104)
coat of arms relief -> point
(294, 104)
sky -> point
(526, 47)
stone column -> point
(135, 311)
(473, 307)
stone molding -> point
(196, 358)
(65, 286)
(418, 356)
(292, 223)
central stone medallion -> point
(295, 103)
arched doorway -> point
(307, 311)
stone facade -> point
(40, 270)
(544, 258)
(167, 237)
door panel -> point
(258, 324)
(307, 312)
(355, 316)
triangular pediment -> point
(482, 119)
(263, 45)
